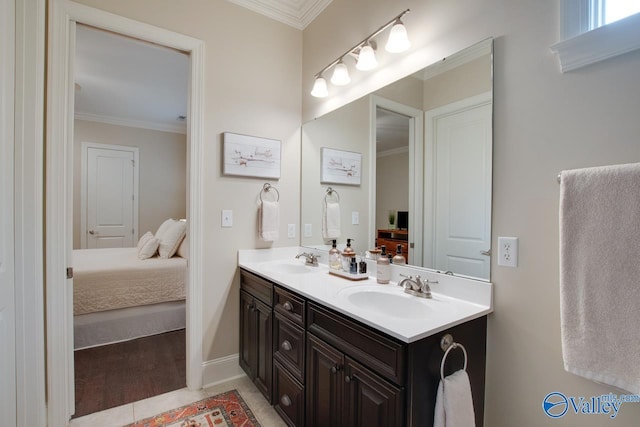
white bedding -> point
(107, 279)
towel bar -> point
(266, 188)
(447, 344)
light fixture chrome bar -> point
(362, 42)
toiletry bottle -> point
(398, 258)
(383, 273)
(335, 259)
(349, 249)
(347, 254)
(353, 266)
(362, 266)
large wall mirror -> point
(426, 146)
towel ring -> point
(266, 188)
(331, 191)
(447, 344)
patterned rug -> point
(226, 409)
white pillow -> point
(183, 249)
(171, 239)
(164, 227)
(149, 249)
(144, 239)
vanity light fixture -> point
(364, 52)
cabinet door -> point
(324, 384)
(264, 348)
(247, 334)
(370, 400)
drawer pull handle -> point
(335, 368)
(349, 379)
(285, 400)
(287, 306)
(252, 306)
(286, 345)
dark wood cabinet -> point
(256, 332)
(321, 368)
(391, 239)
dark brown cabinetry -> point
(256, 330)
(391, 239)
(330, 370)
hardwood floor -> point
(116, 374)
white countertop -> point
(455, 300)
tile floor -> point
(127, 414)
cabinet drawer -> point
(289, 396)
(371, 348)
(289, 305)
(257, 286)
(289, 346)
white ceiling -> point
(124, 81)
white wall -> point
(252, 86)
(392, 186)
(544, 122)
(162, 168)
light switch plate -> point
(355, 218)
(291, 231)
(227, 218)
(308, 230)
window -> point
(595, 30)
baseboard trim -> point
(221, 370)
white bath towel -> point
(454, 404)
(269, 221)
(600, 274)
(331, 220)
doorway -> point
(59, 182)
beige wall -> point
(392, 186)
(544, 122)
(162, 168)
(252, 86)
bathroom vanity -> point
(325, 352)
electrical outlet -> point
(355, 218)
(508, 251)
(227, 218)
(291, 231)
(308, 230)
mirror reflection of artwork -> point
(251, 156)
(341, 167)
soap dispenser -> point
(335, 259)
(383, 269)
(399, 258)
(347, 254)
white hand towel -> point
(600, 274)
(454, 404)
(331, 220)
(269, 221)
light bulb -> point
(398, 40)
(320, 88)
(366, 58)
(340, 75)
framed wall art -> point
(340, 167)
(251, 156)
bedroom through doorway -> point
(129, 219)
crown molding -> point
(296, 14)
(119, 121)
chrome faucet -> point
(309, 258)
(418, 287)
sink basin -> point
(390, 302)
(287, 267)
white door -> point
(111, 196)
(7, 283)
(462, 194)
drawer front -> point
(289, 346)
(371, 348)
(289, 305)
(257, 286)
(289, 396)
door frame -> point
(63, 15)
(430, 162)
(415, 171)
(84, 170)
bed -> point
(118, 297)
